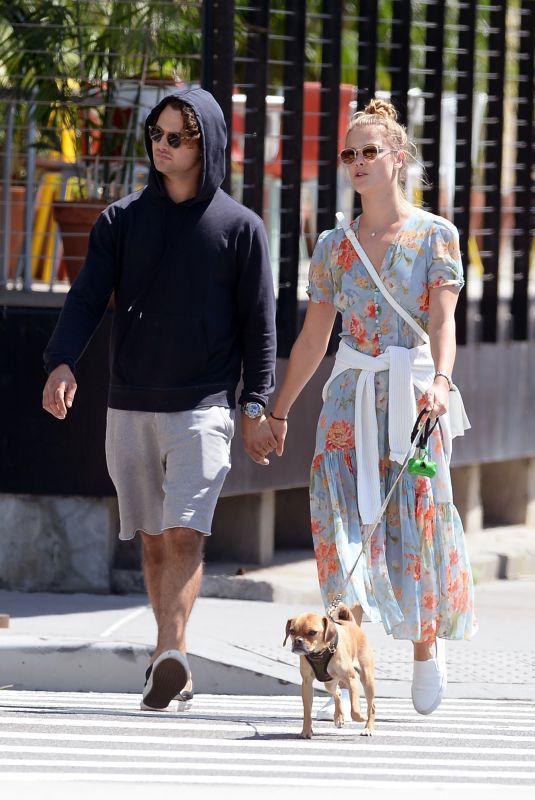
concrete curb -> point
(72, 665)
(68, 665)
(53, 664)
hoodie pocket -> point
(163, 351)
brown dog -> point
(333, 651)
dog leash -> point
(419, 436)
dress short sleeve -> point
(320, 281)
(445, 265)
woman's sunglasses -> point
(369, 153)
(173, 139)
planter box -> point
(75, 220)
(17, 201)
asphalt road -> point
(59, 745)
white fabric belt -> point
(408, 368)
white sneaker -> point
(166, 677)
(326, 712)
(430, 680)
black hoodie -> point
(193, 286)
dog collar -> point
(320, 661)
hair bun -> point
(381, 108)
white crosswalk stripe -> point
(227, 740)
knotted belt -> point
(408, 368)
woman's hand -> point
(279, 429)
(437, 397)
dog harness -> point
(320, 661)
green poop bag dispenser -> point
(421, 464)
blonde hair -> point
(382, 114)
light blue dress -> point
(415, 575)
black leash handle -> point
(426, 431)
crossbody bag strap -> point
(377, 280)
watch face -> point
(253, 410)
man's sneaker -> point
(166, 678)
(430, 680)
(185, 697)
(326, 712)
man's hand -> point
(59, 391)
(258, 439)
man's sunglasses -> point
(369, 153)
(173, 139)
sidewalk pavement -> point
(60, 642)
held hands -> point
(262, 436)
(59, 391)
(258, 439)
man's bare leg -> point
(172, 564)
(153, 551)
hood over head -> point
(213, 141)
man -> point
(194, 311)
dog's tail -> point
(344, 612)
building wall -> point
(54, 482)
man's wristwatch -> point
(252, 410)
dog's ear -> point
(345, 613)
(329, 629)
(288, 626)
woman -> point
(414, 575)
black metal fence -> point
(288, 76)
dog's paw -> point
(339, 721)
(366, 732)
(357, 717)
(306, 734)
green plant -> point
(63, 64)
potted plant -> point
(89, 73)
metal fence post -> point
(525, 189)
(493, 170)
(6, 183)
(329, 113)
(367, 52)
(292, 138)
(30, 181)
(400, 50)
(217, 72)
(463, 150)
(432, 93)
(256, 67)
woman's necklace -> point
(373, 234)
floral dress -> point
(414, 574)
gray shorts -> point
(168, 468)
